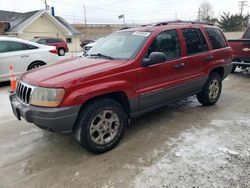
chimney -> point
(52, 11)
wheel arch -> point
(37, 61)
(118, 96)
(219, 70)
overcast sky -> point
(136, 11)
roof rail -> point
(180, 22)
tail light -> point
(53, 51)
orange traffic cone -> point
(12, 79)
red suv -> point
(59, 43)
(128, 73)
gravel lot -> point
(181, 145)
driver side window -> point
(168, 43)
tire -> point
(35, 65)
(208, 97)
(233, 69)
(100, 125)
(61, 52)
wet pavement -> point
(181, 145)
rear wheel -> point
(61, 52)
(35, 65)
(100, 125)
(211, 92)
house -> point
(38, 23)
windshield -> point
(121, 45)
(35, 40)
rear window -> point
(247, 34)
(216, 37)
(195, 41)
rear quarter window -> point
(216, 38)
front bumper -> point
(61, 119)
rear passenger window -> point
(168, 43)
(53, 41)
(195, 41)
(216, 37)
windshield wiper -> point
(102, 55)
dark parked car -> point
(85, 42)
(59, 43)
(128, 73)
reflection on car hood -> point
(72, 69)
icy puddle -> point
(218, 156)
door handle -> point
(209, 58)
(180, 65)
(23, 56)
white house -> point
(39, 23)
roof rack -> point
(180, 22)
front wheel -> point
(100, 125)
(211, 92)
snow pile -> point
(218, 156)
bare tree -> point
(205, 11)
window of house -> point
(69, 40)
(195, 41)
(168, 43)
(216, 37)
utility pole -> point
(46, 5)
(242, 5)
(199, 14)
(85, 15)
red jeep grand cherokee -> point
(128, 73)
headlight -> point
(47, 97)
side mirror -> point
(154, 58)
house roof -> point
(68, 26)
(19, 21)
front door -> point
(164, 81)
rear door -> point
(54, 42)
(197, 55)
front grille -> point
(24, 92)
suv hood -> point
(68, 70)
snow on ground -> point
(218, 156)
